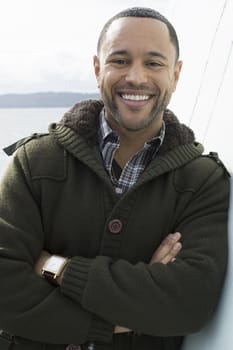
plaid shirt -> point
(109, 142)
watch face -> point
(54, 264)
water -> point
(19, 123)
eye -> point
(154, 64)
(119, 61)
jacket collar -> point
(178, 148)
(83, 118)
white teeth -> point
(135, 97)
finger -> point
(171, 256)
(119, 329)
(165, 247)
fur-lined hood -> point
(82, 118)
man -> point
(83, 211)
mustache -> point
(130, 86)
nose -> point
(136, 74)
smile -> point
(135, 97)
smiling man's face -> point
(137, 72)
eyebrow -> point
(118, 52)
(150, 53)
(157, 54)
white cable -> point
(207, 62)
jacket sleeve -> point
(30, 306)
(163, 300)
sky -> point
(48, 45)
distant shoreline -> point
(44, 99)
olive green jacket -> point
(57, 196)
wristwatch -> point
(53, 268)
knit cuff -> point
(75, 278)
(73, 286)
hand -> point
(168, 249)
(165, 253)
(44, 256)
(119, 329)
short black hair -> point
(141, 12)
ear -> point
(96, 64)
(177, 70)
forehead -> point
(138, 34)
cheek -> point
(168, 83)
(106, 80)
(163, 79)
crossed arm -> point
(163, 294)
(164, 254)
